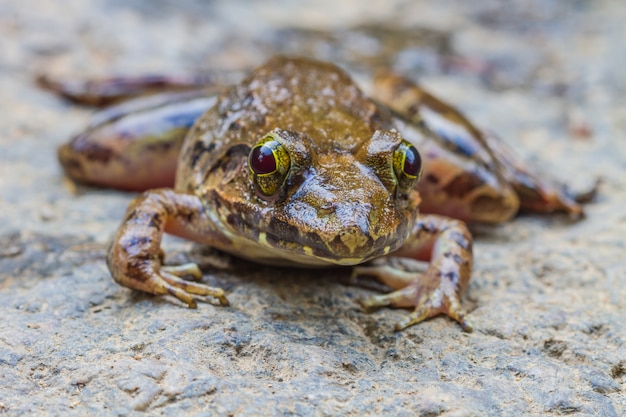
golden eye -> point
(268, 164)
(407, 164)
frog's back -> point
(307, 96)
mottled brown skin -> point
(342, 202)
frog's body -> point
(295, 165)
(333, 206)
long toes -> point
(425, 312)
(388, 275)
(374, 302)
(415, 317)
(401, 298)
(182, 295)
(188, 269)
(428, 302)
(406, 297)
(183, 290)
(461, 317)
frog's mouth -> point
(271, 238)
(351, 245)
(286, 238)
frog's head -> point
(318, 206)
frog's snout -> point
(354, 237)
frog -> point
(297, 166)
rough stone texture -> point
(548, 298)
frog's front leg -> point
(439, 289)
(135, 256)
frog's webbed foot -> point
(431, 294)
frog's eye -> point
(407, 164)
(268, 164)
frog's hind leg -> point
(110, 90)
(439, 289)
(459, 135)
(536, 194)
(135, 145)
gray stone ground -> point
(548, 297)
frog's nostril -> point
(353, 237)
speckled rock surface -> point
(548, 298)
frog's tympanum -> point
(296, 166)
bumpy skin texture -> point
(342, 201)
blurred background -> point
(547, 295)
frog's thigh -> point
(135, 255)
(439, 289)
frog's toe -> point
(387, 274)
(184, 290)
(189, 269)
(425, 312)
(428, 302)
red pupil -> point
(412, 161)
(262, 160)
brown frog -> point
(296, 166)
